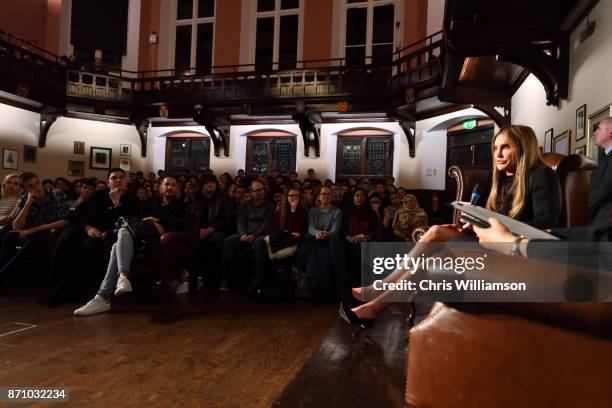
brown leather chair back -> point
(574, 173)
(552, 160)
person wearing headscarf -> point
(407, 218)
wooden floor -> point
(368, 370)
(200, 350)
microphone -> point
(476, 192)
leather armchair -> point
(508, 359)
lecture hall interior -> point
(241, 119)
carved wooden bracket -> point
(142, 126)
(46, 121)
(408, 127)
(499, 119)
(309, 123)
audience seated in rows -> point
(281, 241)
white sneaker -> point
(123, 286)
(96, 305)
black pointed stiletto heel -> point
(351, 318)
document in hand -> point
(479, 216)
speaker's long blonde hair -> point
(525, 144)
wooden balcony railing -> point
(333, 78)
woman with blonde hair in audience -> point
(9, 194)
(523, 188)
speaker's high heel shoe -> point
(351, 318)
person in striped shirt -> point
(9, 194)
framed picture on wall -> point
(79, 148)
(29, 154)
(594, 151)
(125, 150)
(580, 150)
(100, 158)
(76, 168)
(561, 142)
(125, 164)
(10, 158)
(548, 137)
(580, 122)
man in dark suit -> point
(600, 193)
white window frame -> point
(370, 4)
(277, 13)
(193, 22)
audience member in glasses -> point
(254, 222)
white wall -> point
(221, 164)
(435, 16)
(20, 127)
(431, 149)
(404, 167)
(590, 82)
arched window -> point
(187, 151)
(270, 150)
(364, 152)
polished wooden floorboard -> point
(368, 370)
(190, 350)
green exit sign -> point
(469, 124)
